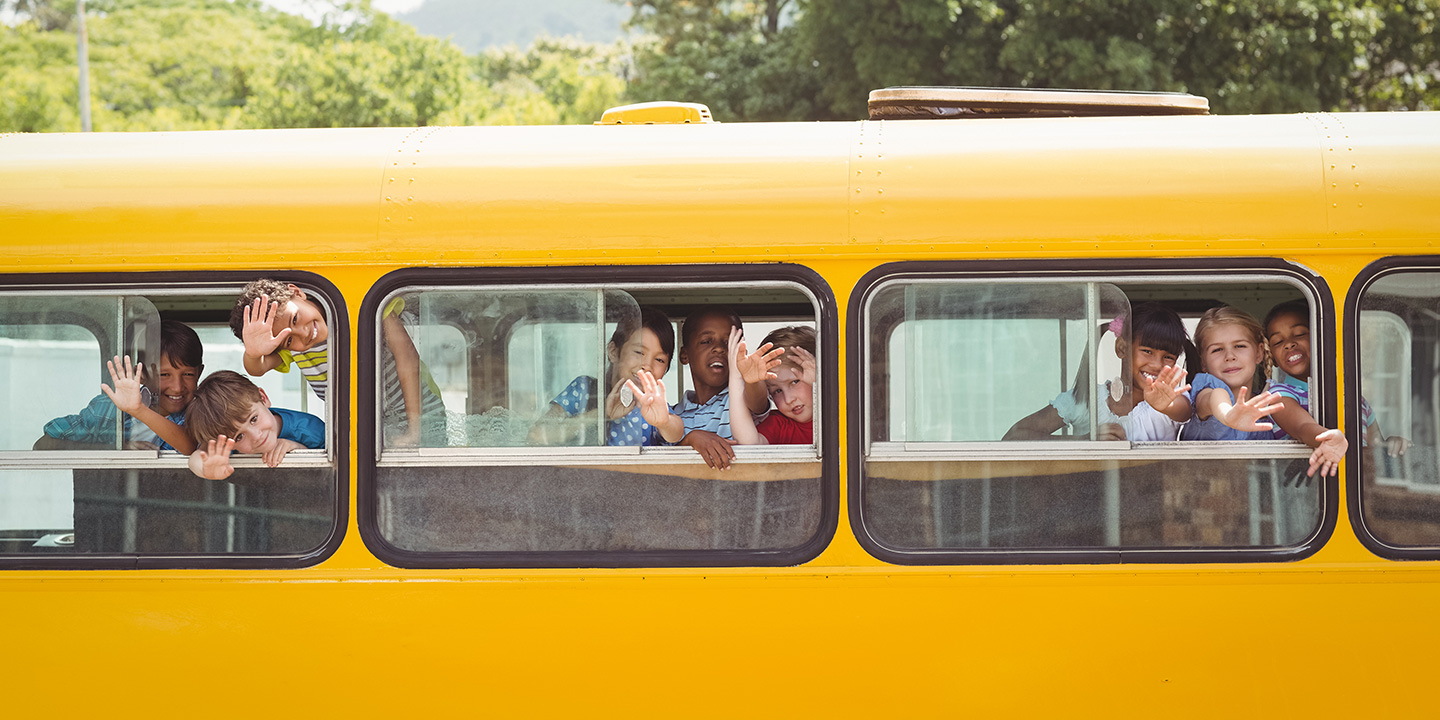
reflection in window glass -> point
(1400, 394)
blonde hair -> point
(792, 336)
(1227, 315)
(222, 403)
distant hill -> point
(475, 25)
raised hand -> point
(1245, 414)
(753, 367)
(1167, 385)
(127, 395)
(806, 361)
(650, 394)
(214, 460)
(277, 452)
(256, 332)
(1328, 453)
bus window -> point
(1398, 412)
(540, 463)
(82, 484)
(958, 466)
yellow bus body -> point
(1341, 632)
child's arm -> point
(742, 424)
(1038, 425)
(260, 343)
(1329, 445)
(650, 394)
(755, 368)
(407, 367)
(126, 396)
(1167, 393)
(1242, 414)
(214, 464)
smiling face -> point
(1147, 362)
(259, 432)
(1231, 353)
(1289, 337)
(641, 352)
(306, 323)
(174, 386)
(793, 397)
(707, 353)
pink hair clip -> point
(1117, 325)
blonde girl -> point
(1230, 400)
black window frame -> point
(1115, 270)
(339, 348)
(1355, 458)
(619, 276)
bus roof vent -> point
(908, 103)
(656, 113)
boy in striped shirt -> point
(281, 326)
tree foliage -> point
(192, 64)
(1254, 56)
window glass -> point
(540, 455)
(1399, 349)
(998, 420)
(79, 478)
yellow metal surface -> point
(656, 113)
(1342, 632)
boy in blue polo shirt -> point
(705, 410)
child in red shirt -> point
(791, 385)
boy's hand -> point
(215, 459)
(274, 455)
(714, 449)
(1166, 386)
(259, 319)
(806, 361)
(650, 394)
(753, 367)
(1244, 415)
(127, 393)
(1328, 453)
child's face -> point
(793, 397)
(707, 353)
(642, 352)
(175, 385)
(1147, 362)
(259, 432)
(1289, 336)
(1231, 354)
(303, 317)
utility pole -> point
(84, 52)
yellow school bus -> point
(959, 265)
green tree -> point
(740, 58)
(555, 81)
